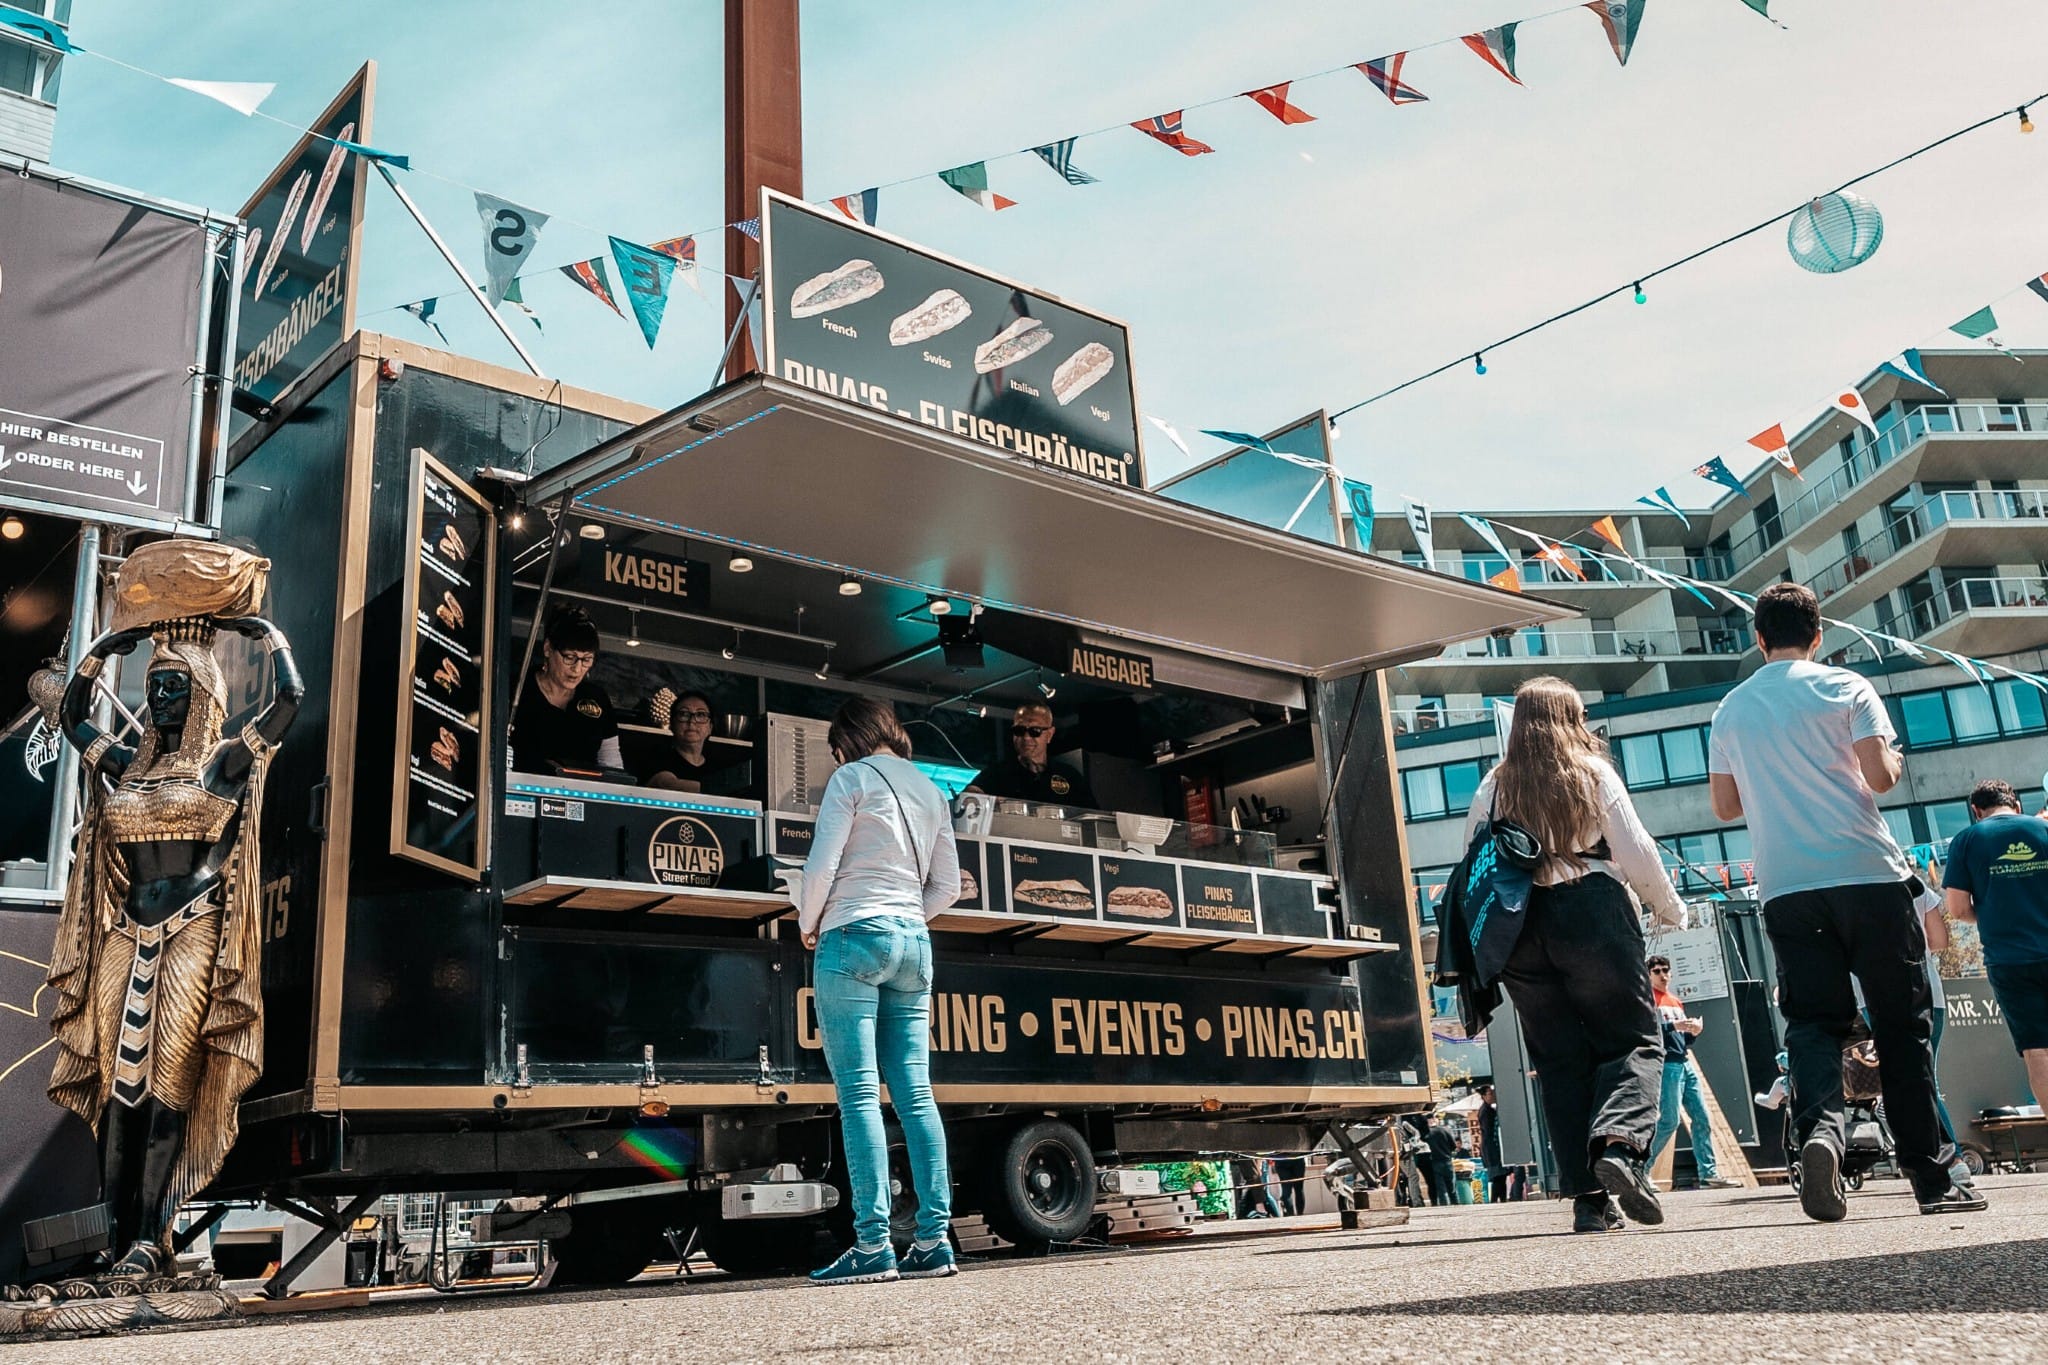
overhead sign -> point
(881, 323)
(1109, 666)
(299, 268)
(101, 298)
(644, 576)
(444, 734)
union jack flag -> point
(1385, 72)
(859, 207)
(1166, 128)
(1060, 156)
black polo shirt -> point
(544, 735)
(1058, 785)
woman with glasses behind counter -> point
(565, 722)
(682, 764)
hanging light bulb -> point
(13, 528)
(938, 606)
(590, 530)
(518, 522)
(739, 563)
(2026, 124)
(1334, 433)
(1478, 364)
(633, 630)
(1641, 297)
(849, 586)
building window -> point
(1442, 791)
(1967, 714)
(1663, 758)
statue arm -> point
(101, 752)
(268, 729)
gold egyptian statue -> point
(157, 965)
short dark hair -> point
(1787, 616)
(676, 706)
(1657, 960)
(1993, 795)
(866, 725)
(570, 629)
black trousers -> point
(1582, 991)
(1292, 1173)
(1871, 932)
(1443, 1180)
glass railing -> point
(1422, 719)
(1916, 523)
(1990, 419)
(2020, 592)
(1602, 644)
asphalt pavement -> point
(1732, 1275)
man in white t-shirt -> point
(1804, 750)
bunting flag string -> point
(424, 311)
(971, 182)
(1496, 47)
(1771, 441)
(244, 97)
(645, 274)
(1661, 500)
(1907, 365)
(1850, 403)
(1166, 128)
(1385, 73)
(1621, 19)
(590, 275)
(517, 298)
(683, 251)
(1717, 471)
(1273, 99)
(860, 207)
(1060, 156)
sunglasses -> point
(1031, 731)
(1660, 971)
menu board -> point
(1140, 891)
(440, 791)
(1219, 898)
(881, 323)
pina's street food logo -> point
(1060, 786)
(685, 852)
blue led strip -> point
(679, 450)
(623, 799)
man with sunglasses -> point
(1682, 1082)
(564, 721)
(1031, 774)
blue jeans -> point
(874, 993)
(1682, 1085)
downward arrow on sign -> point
(5, 460)
(136, 485)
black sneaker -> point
(1820, 1182)
(1623, 1176)
(1959, 1199)
(1596, 1213)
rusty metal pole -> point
(764, 137)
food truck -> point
(493, 976)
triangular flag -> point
(515, 297)
(424, 311)
(645, 275)
(1555, 554)
(971, 181)
(1969, 666)
(1487, 534)
(1905, 647)
(1771, 441)
(859, 207)
(2039, 284)
(1851, 402)
(1609, 532)
(1496, 47)
(244, 97)
(1385, 73)
(404, 163)
(1273, 99)
(683, 251)
(510, 235)
(1507, 578)
(1358, 496)
(35, 26)
(1060, 156)
(1418, 524)
(750, 226)
(1620, 18)
(1908, 365)
(1239, 438)
(1717, 470)
(1978, 325)
(1166, 128)
(590, 274)
(1171, 434)
(1661, 500)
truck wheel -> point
(1041, 1188)
(1974, 1158)
(902, 1199)
(750, 1247)
(607, 1244)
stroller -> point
(1867, 1138)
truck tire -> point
(747, 1248)
(1041, 1186)
(902, 1199)
(608, 1244)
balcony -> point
(1984, 617)
(1417, 720)
(1593, 660)
(2005, 440)
(1959, 526)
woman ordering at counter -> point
(564, 722)
(882, 862)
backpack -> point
(1481, 915)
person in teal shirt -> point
(1997, 878)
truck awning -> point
(780, 470)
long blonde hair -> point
(1546, 781)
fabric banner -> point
(1907, 364)
(1060, 156)
(859, 207)
(1171, 434)
(1661, 500)
(1358, 498)
(510, 235)
(1273, 99)
(1166, 128)
(683, 251)
(515, 296)
(1621, 19)
(591, 275)
(1850, 403)
(1716, 470)
(1485, 530)
(1418, 522)
(1241, 438)
(645, 275)
(1609, 532)
(971, 183)
(424, 311)
(244, 97)
(1507, 579)
(1385, 74)
(1771, 441)
(2039, 284)
(1496, 47)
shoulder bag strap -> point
(903, 815)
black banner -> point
(1048, 1024)
(299, 267)
(1109, 666)
(100, 307)
(444, 706)
(881, 323)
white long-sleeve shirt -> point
(869, 848)
(1633, 861)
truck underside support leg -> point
(184, 1240)
(332, 1226)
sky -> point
(1296, 268)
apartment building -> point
(29, 77)
(1934, 530)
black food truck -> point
(495, 977)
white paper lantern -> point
(1834, 233)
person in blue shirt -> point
(1997, 878)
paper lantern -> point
(1834, 233)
